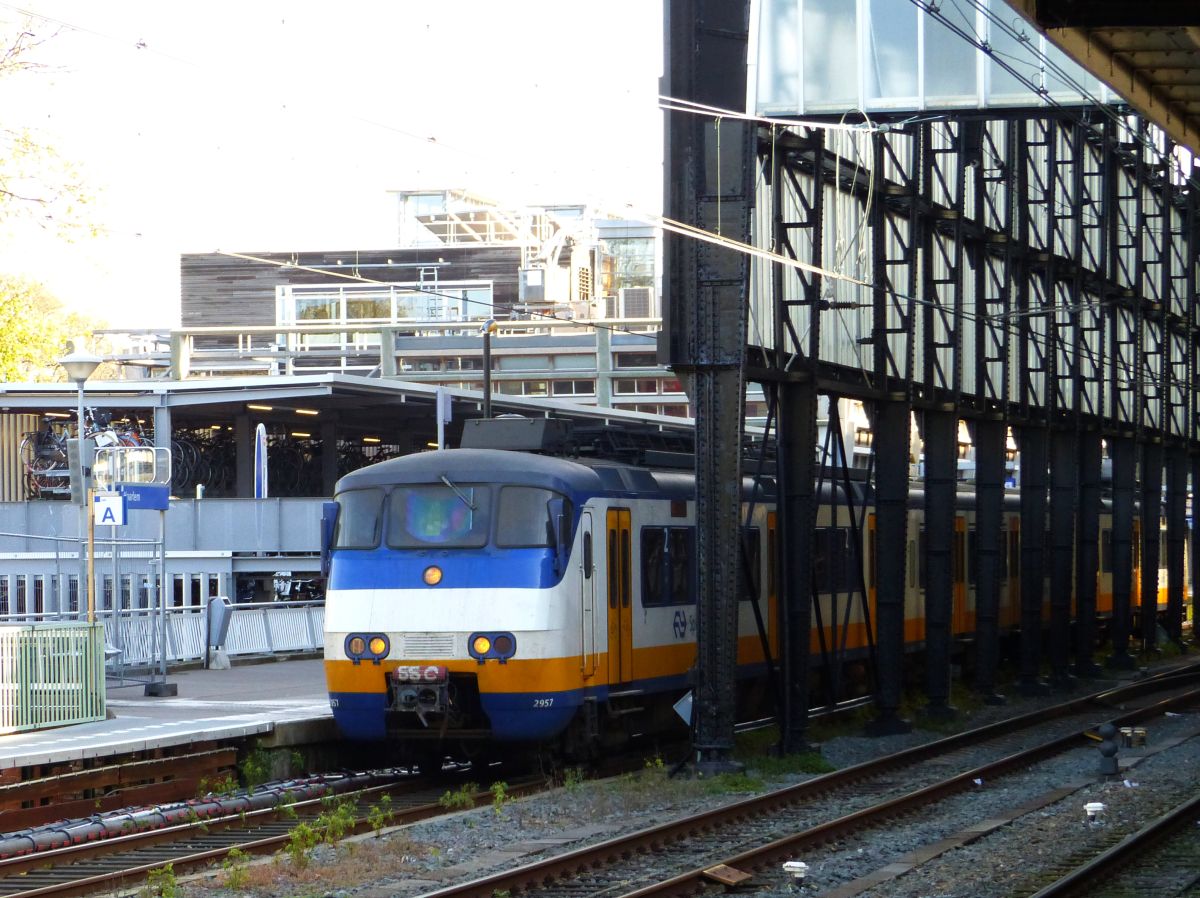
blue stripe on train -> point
(461, 568)
(359, 715)
(514, 717)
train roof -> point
(583, 476)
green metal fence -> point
(51, 675)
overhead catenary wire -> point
(689, 231)
(935, 11)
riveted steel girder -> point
(710, 164)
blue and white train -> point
(483, 598)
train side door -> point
(587, 595)
(619, 543)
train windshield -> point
(359, 518)
(446, 515)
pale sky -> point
(281, 125)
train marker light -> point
(367, 646)
(491, 646)
(432, 575)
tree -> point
(35, 182)
(34, 330)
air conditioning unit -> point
(637, 302)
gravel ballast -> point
(1019, 825)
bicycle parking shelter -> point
(263, 551)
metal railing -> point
(255, 628)
(131, 636)
(51, 674)
(269, 627)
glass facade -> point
(444, 301)
(830, 56)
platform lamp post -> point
(487, 329)
(79, 367)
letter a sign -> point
(109, 508)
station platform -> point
(211, 705)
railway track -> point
(734, 834)
(108, 864)
(1162, 858)
(728, 846)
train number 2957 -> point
(543, 702)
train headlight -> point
(492, 646)
(432, 575)
(373, 647)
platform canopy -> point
(1149, 52)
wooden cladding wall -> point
(224, 291)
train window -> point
(439, 516)
(523, 518)
(1106, 550)
(972, 557)
(820, 544)
(587, 556)
(833, 560)
(748, 586)
(681, 547)
(772, 557)
(873, 546)
(614, 569)
(358, 522)
(654, 572)
(667, 569)
(1014, 555)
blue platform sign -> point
(153, 496)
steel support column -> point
(1087, 554)
(890, 424)
(1124, 464)
(1177, 497)
(1032, 441)
(1064, 487)
(797, 517)
(710, 164)
(1151, 535)
(940, 436)
(990, 438)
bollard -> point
(1108, 749)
